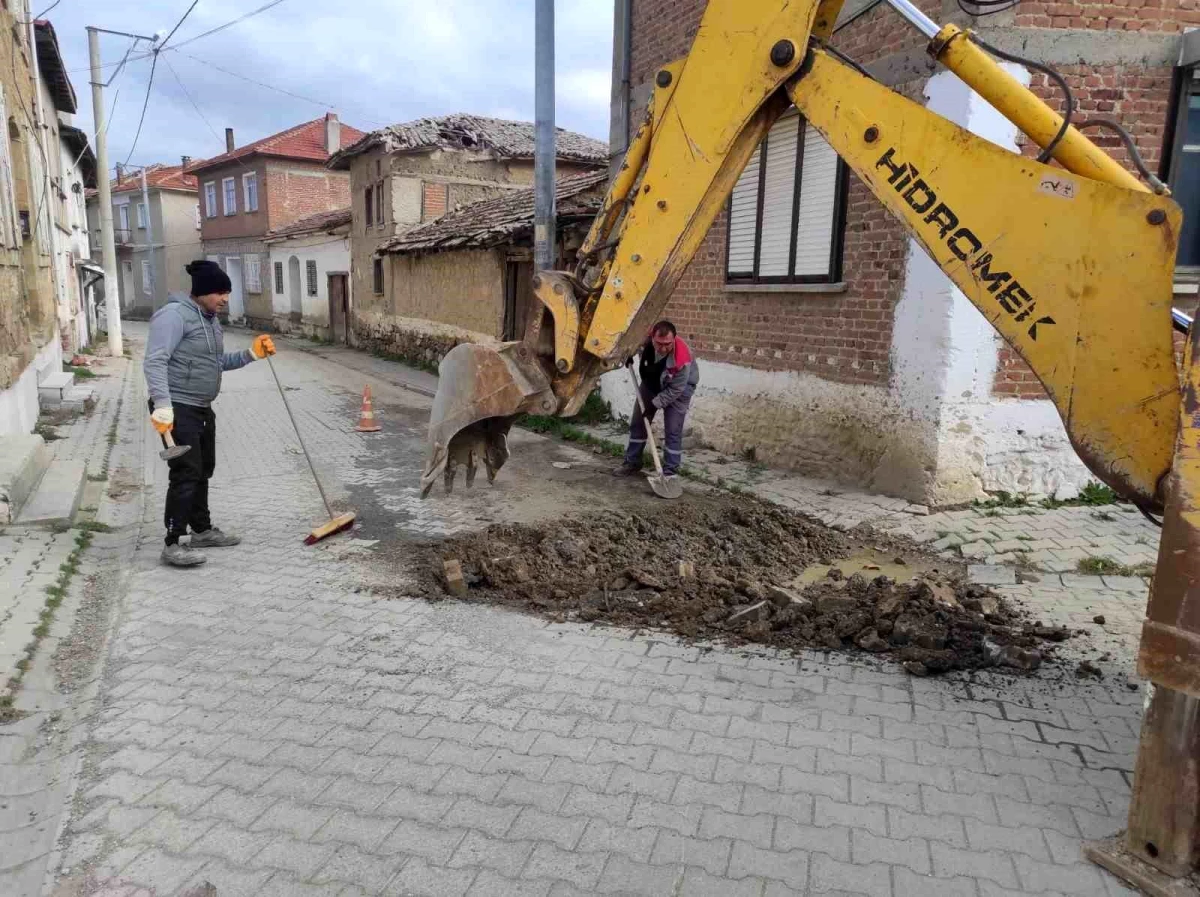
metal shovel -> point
(663, 486)
(172, 451)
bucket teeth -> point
(481, 392)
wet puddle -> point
(870, 563)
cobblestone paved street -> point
(277, 723)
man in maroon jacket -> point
(669, 375)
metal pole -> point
(149, 239)
(544, 212)
(108, 250)
(916, 18)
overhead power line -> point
(204, 34)
(229, 24)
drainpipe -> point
(150, 244)
(619, 130)
(543, 101)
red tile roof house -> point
(249, 191)
(150, 262)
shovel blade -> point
(481, 391)
(665, 487)
(175, 451)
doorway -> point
(127, 292)
(518, 297)
(237, 302)
(339, 307)
(297, 307)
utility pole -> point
(149, 236)
(108, 249)
(544, 225)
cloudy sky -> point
(374, 62)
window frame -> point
(123, 217)
(1187, 85)
(837, 237)
(252, 273)
(10, 229)
(379, 216)
(147, 278)
(210, 199)
(368, 201)
(143, 216)
(377, 284)
(310, 277)
(229, 191)
(250, 191)
(278, 272)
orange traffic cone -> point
(366, 421)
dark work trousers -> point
(673, 417)
(187, 492)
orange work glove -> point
(163, 419)
(263, 346)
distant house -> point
(410, 174)
(249, 191)
(310, 276)
(71, 174)
(466, 276)
(153, 244)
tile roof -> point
(163, 177)
(500, 220)
(305, 141)
(50, 64)
(322, 221)
(507, 139)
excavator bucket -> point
(481, 391)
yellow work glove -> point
(163, 419)
(263, 346)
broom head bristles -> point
(336, 525)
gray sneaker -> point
(214, 538)
(182, 556)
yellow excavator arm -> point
(1072, 263)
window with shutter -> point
(253, 274)
(785, 212)
(310, 268)
(9, 229)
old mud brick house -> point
(471, 269)
(831, 343)
(411, 174)
(32, 206)
(248, 191)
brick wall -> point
(847, 336)
(296, 190)
(842, 336)
(1171, 16)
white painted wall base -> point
(19, 403)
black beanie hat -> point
(207, 277)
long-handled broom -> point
(335, 524)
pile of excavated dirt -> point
(730, 573)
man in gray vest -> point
(185, 357)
